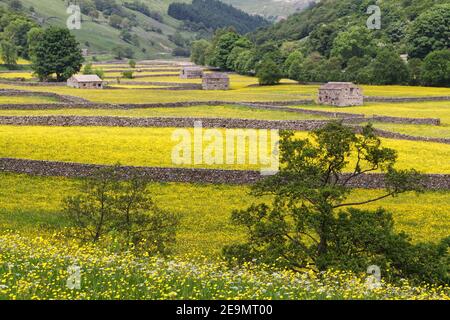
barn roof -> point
(193, 68)
(216, 75)
(338, 86)
(87, 78)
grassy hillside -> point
(271, 9)
(100, 38)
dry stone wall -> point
(238, 177)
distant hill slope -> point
(271, 9)
(338, 15)
(214, 14)
(154, 38)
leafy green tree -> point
(108, 206)
(296, 57)
(245, 63)
(358, 70)
(295, 71)
(34, 36)
(222, 48)
(310, 68)
(430, 32)
(240, 46)
(389, 68)
(355, 42)
(132, 63)
(199, 51)
(312, 222)
(57, 52)
(16, 32)
(436, 69)
(8, 53)
(321, 39)
(268, 72)
(415, 71)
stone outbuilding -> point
(191, 73)
(341, 94)
(90, 81)
(216, 81)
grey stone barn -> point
(90, 81)
(216, 81)
(341, 94)
(191, 73)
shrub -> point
(128, 74)
(108, 206)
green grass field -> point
(153, 147)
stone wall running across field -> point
(406, 99)
(61, 98)
(237, 177)
(177, 122)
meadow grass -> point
(436, 109)
(29, 204)
(26, 100)
(34, 267)
(154, 146)
(442, 131)
(226, 111)
(270, 93)
(13, 75)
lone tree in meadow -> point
(109, 206)
(312, 222)
(268, 72)
(56, 52)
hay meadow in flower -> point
(153, 147)
(36, 255)
(224, 111)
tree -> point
(222, 48)
(107, 206)
(415, 71)
(268, 72)
(359, 70)
(389, 68)
(132, 63)
(430, 32)
(295, 57)
(8, 53)
(312, 222)
(16, 32)
(436, 69)
(245, 63)
(355, 42)
(199, 51)
(57, 52)
(321, 38)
